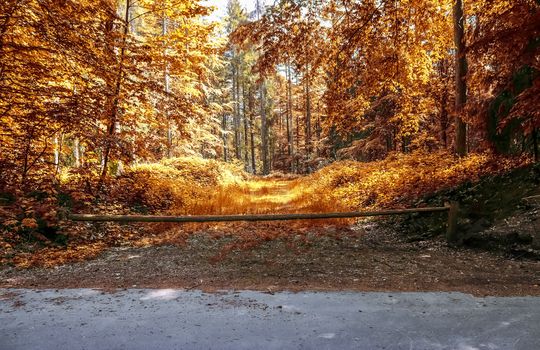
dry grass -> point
(198, 188)
(264, 196)
(249, 197)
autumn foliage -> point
(152, 106)
(175, 185)
(365, 79)
(399, 180)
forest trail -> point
(258, 196)
(276, 194)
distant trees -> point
(250, 117)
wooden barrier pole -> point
(260, 217)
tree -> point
(50, 81)
(461, 73)
(113, 103)
(504, 74)
(73, 74)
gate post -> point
(452, 234)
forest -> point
(162, 107)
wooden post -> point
(452, 234)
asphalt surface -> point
(175, 319)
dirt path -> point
(354, 259)
(276, 194)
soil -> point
(353, 258)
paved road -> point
(174, 319)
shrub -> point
(400, 179)
(177, 183)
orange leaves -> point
(197, 186)
(503, 45)
(391, 50)
(76, 83)
(29, 223)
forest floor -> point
(316, 255)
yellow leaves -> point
(175, 183)
(397, 54)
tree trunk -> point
(461, 83)
(238, 116)
(308, 112)
(56, 154)
(244, 116)
(76, 152)
(318, 130)
(58, 145)
(297, 160)
(251, 104)
(164, 31)
(236, 109)
(225, 138)
(289, 116)
(264, 131)
(113, 119)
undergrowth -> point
(400, 180)
(177, 184)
